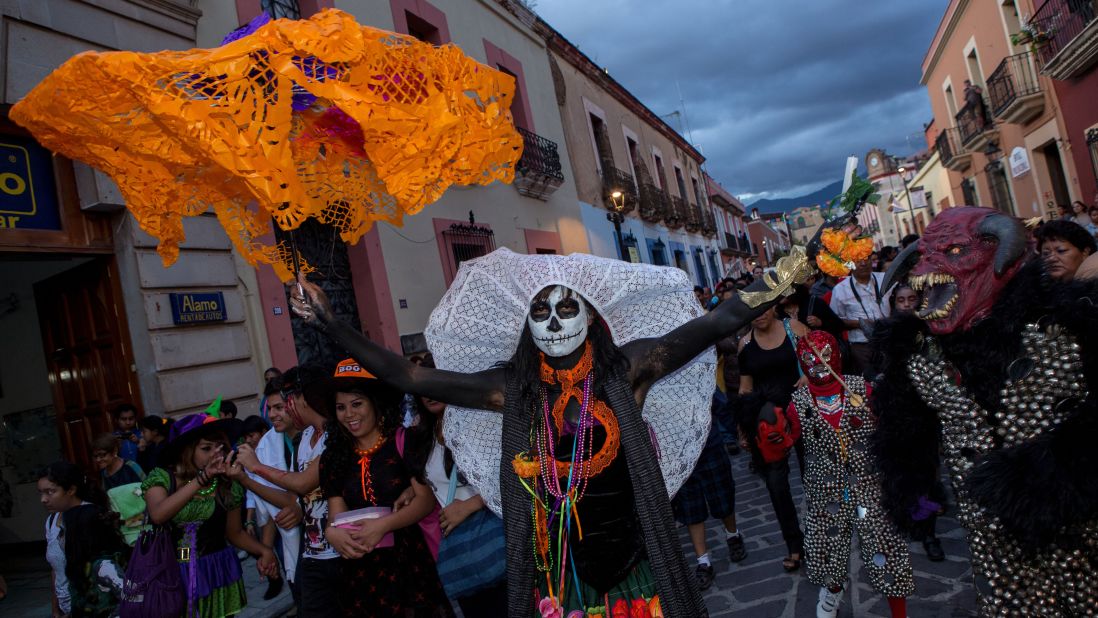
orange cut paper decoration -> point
(183, 132)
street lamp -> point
(910, 205)
(615, 216)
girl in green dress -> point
(192, 490)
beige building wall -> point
(412, 254)
(581, 97)
(972, 39)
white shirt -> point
(316, 507)
(55, 555)
(440, 481)
(271, 451)
(870, 302)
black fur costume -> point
(1032, 498)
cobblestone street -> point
(759, 588)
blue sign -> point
(197, 307)
(28, 197)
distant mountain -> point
(768, 206)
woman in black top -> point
(768, 364)
(364, 466)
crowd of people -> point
(344, 486)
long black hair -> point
(423, 440)
(339, 450)
(91, 530)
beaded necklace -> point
(207, 491)
(558, 486)
(364, 469)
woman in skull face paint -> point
(569, 389)
(841, 483)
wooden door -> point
(88, 354)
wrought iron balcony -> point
(614, 180)
(709, 222)
(1065, 35)
(676, 214)
(693, 222)
(950, 151)
(654, 203)
(975, 125)
(1014, 90)
(538, 173)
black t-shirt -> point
(773, 371)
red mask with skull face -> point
(966, 256)
(817, 351)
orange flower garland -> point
(841, 252)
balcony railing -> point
(1014, 90)
(709, 223)
(1066, 37)
(654, 203)
(538, 173)
(948, 146)
(693, 222)
(613, 180)
(972, 122)
(676, 215)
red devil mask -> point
(966, 256)
(817, 351)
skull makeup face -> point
(558, 321)
(816, 352)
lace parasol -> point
(478, 322)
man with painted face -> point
(995, 371)
(841, 483)
(582, 481)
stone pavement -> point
(28, 577)
(759, 588)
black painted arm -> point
(482, 390)
(653, 358)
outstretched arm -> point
(482, 390)
(652, 359)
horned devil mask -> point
(558, 322)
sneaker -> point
(933, 549)
(828, 605)
(705, 576)
(736, 550)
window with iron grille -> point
(1000, 191)
(281, 8)
(465, 241)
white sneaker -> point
(828, 606)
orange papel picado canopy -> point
(319, 118)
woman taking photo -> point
(192, 491)
(388, 569)
(83, 545)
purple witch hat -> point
(194, 427)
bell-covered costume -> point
(995, 370)
(841, 482)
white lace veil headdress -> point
(479, 320)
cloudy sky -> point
(777, 92)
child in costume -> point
(841, 482)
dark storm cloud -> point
(777, 92)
